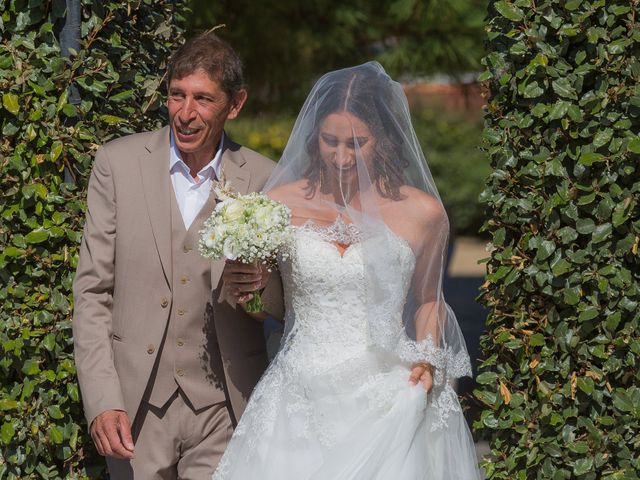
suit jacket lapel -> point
(156, 183)
(235, 172)
(204, 213)
(234, 167)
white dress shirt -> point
(192, 193)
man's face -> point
(198, 108)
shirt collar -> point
(175, 159)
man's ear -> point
(237, 103)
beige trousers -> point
(175, 442)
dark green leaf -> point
(617, 46)
(582, 466)
(537, 340)
(588, 314)
(545, 250)
(602, 232)
(55, 412)
(622, 401)
(589, 158)
(634, 145)
(533, 90)
(562, 267)
(56, 435)
(572, 4)
(486, 378)
(563, 88)
(585, 226)
(37, 236)
(602, 137)
(578, 447)
(7, 431)
(10, 102)
(508, 10)
(8, 404)
(127, 94)
(559, 110)
(31, 367)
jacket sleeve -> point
(93, 295)
(273, 297)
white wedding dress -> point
(330, 407)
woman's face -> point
(343, 137)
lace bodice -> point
(328, 388)
(324, 293)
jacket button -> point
(150, 349)
(186, 249)
(180, 372)
(184, 280)
(164, 303)
(180, 342)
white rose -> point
(220, 205)
(264, 216)
(230, 249)
(233, 211)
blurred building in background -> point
(461, 95)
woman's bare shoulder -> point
(421, 204)
(289, 191)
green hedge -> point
(560, 382)
(450, 142)
(117, 71)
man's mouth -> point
(185, 131)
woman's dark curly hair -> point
(366, 94)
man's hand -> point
(111, 432)
(240, 279)
(423, 373)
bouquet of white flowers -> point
(250, 228)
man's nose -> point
(187, 112)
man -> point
(165, 369)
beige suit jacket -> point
(122, 287)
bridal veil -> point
(364, 302)
(353, 163)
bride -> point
(362, 385)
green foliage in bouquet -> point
(46, 148)
(560, 382)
